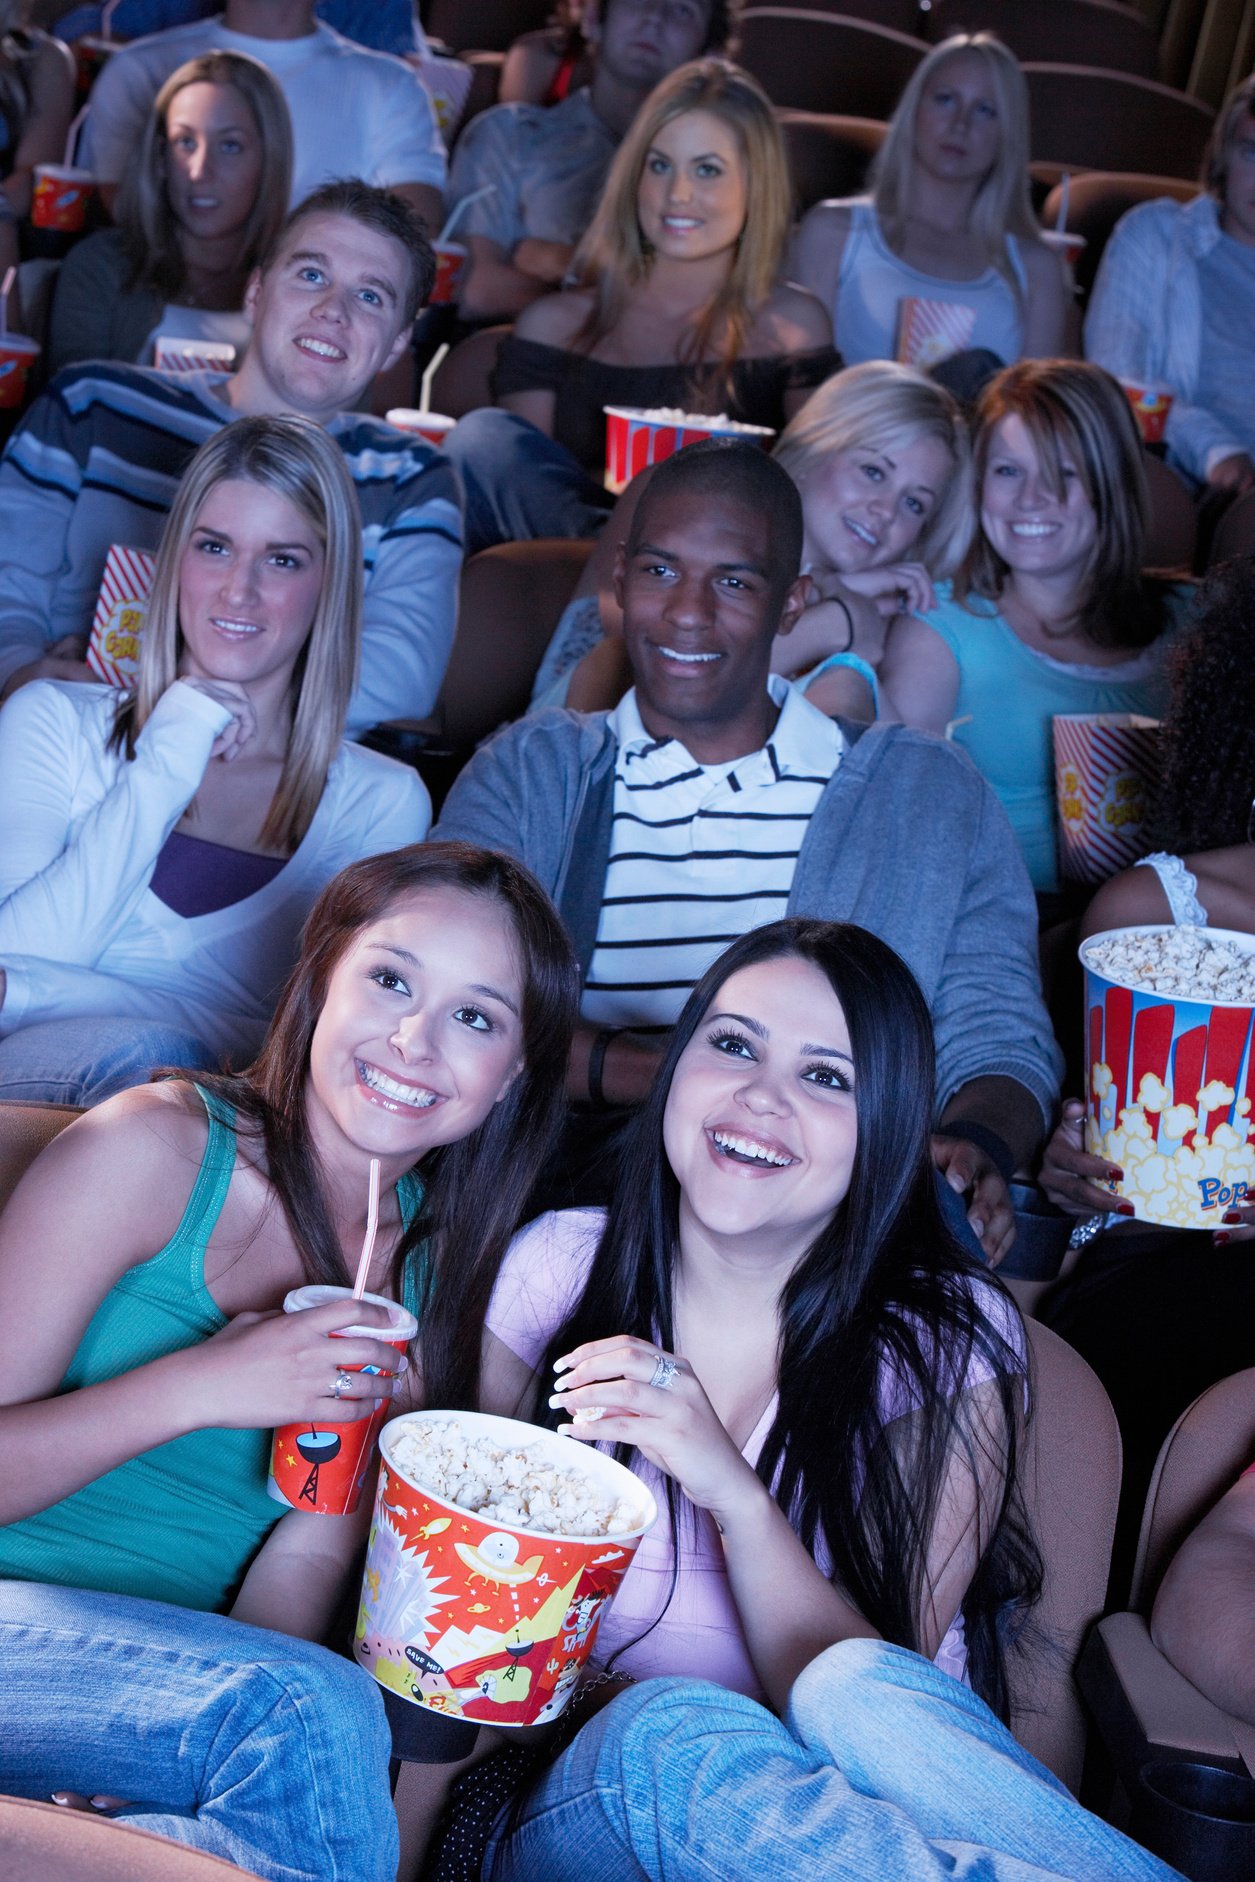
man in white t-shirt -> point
(354, 112)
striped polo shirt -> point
(699, 854)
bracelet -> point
(597, 1064)
(996, 1148)
(856, 664)
(849, 620)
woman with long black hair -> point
(774, 1327)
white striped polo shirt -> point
(699, 854)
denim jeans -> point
(519, 484)
(252, 1745)
(85, 1061)
(884, 1769)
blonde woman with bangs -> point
(196, 213)
(947, 219)
(160, 851)
(677, 302)
(1050, 611)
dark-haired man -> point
(714, 799)
(545, 165)
(98, 457)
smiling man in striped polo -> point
(714, 798)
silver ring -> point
(664, 1373)
(341, 1387)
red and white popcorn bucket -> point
(121, 610)
(1171, 1087)
(930, 331)
(1105, 768)
(637, 438)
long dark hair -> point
(477, 1187)
(1207, 744)
(882, 1296)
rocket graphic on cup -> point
(324, 1471)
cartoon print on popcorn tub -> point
(478, 1619)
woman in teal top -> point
(426, 1024)
(1051, 612)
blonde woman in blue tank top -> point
(947, 219)
(157, 1609)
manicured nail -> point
(557, 1402)
(977, 1227)
(1125, 1208)
(1221, 1237)
(1114, 1175)
(1231, 1215)
(561, 1365)
(60, 1797)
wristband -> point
(596, 1066)
(996, 1148)
(856, 664)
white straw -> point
(372, 1223)
(424, 384)
(106, 17)
(6, 288)
(460, 210)
(1061, 220)
(71, 137)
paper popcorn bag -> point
(1105, 769)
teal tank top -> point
(180, 1523)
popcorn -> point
(515, 1487)
(1185, 962)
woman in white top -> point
(159, 852)
(948, 221)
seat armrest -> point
(1145, 1708)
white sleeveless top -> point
(874, 281)
(1180, 885)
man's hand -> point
(972, 1174)
(1236, 473)
(64, 660)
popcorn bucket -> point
(60, 197)
(324, 1472)
(1065, 242)
(473, 1617)
(1170, 1085)
(930, 331)
(637, 438)
(433, 426)
(17, 357)
(121, 610)
(1105, 769)
(171, 354)
(1151, 401)
(450, 267)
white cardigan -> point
(82, 934)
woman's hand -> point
(674, 1425)
(896, 588)
(1070, 1175)
(267, 1369)
(231, 741)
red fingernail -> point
(1125, 1208)
(1221, 1238)
(1115, 1176)
(1231, 1215)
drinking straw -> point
(489, 189)
(6, 288)
(106, 17)
(372, 1223)
(424, 384)
(1061, 220)
(71, 138)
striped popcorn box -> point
(1105, 766)
(121, 608)
(930, 331)
(174, 355)
(637, 438)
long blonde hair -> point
(298, 460)
(613, 255)
(1002, 206)
(881, 406)
(150, 232)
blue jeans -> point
(884, 1769)
(519, 484)
(85, 1061)
(254, 1746)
